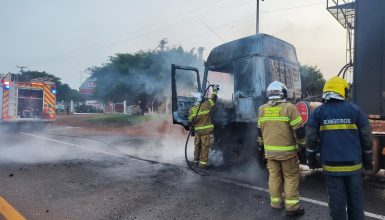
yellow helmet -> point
(337, 85)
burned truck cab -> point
(243, 69)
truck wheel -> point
(237, 153)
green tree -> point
(29, 75)
(64, 91)
(140, 78)
(312, 81)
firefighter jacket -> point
(280, 129)
(341, 133)
(201, 121)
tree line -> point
(63, 91)
(143, 78)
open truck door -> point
(185, 82)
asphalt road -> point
(63, 173)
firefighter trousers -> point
(342, 191)
(201, 150)
(284, 177)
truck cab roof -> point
(221, 57)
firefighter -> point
(340, 132)
(280, 131)
(202, 127)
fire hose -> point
(194, 169)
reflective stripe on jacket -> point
(338, 126)
(202, 123)
(277, 125)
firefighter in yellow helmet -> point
(200, 119)
(335, 87)
(280, 131)
(341, 133)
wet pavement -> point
(65, 173)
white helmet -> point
(276, 91)
(198, 98)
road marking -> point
(74, 145)
(59, 128)
(368, 214)
(8, 211)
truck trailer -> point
(365, 24)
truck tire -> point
(236, 153)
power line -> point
(124, 36)
(211, 30)
(218, 27)
(291, 8)
(66, 57)
(245, 17)
(157, 23)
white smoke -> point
(21, 148)
(168, 147)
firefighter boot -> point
(203, 165)
(205, 168)
(193, 163)
(295, 213)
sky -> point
(65, 37)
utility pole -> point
(257, 18)
(81, 78)
(162, 43)
(200, 53)
(21, 72)
(21, 68)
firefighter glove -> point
(216, 88)
(301, 146)
(311, 160)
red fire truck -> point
(26, 104)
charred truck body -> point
(26, 104)
(243, 69)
